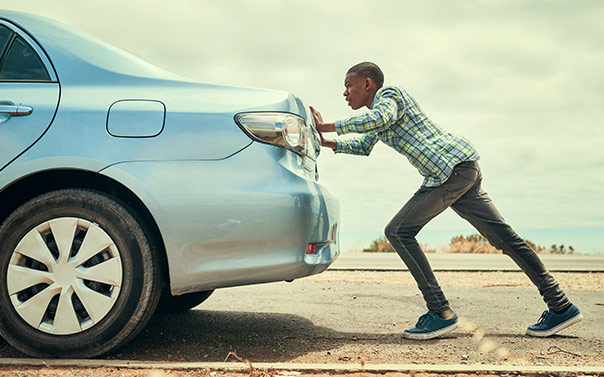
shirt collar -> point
(375, 98)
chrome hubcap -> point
(64, 276)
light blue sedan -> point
(125, 188)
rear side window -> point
(19, 61)
(4, 36)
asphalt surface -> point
(466, 262)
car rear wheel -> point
(78, 277)
(182, 303)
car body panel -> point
(223, 230)
(18, 133)
(230, 211)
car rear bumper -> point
(279, 256)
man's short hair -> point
(368, 69)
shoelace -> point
(545, 315)
(423, 320)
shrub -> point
(473, 244)
(477, 244)
(382, 245)
(555, 249)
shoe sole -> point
(430, 335)
(553, 330)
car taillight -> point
(282, 129)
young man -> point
(452, 178)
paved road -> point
(354, 316)
(466, 262)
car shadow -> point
(209, 336)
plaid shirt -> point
(396, 119)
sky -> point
(522, 80)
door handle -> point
(16, 110)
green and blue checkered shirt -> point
(396, 119)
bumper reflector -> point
(311, 248)
(314, 246)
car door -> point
(29, 92)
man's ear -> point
(368, 84)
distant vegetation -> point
(382, 245)
(473, 244)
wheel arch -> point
(26, 188)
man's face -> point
(356, 92)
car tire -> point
(181, 303)
(61, 301)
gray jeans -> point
(463, 193)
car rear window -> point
(22, 63)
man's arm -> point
(379, 118)
(361, 145)
(329, 143)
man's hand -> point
(323, 127)
(320, 124)
(317, 117)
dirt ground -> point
(325, 345)
(118, 372)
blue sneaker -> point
(550, 322)
(431, 325)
